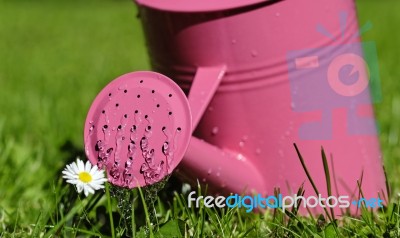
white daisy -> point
(85, 177)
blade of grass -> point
(84, 231)
(335, 182)
(146, 212)
(133, 223)
(310, 178)
(327, 178)
(109, 207)
(66, 218)
(388, 192)
(364, 211)
(286, 229)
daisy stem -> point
(110, 209)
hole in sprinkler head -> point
(141, 81)
(136, 111)
(126, 115)
(105, 126)
(158, 105)
(170, 113)
(164, 148)
(138, 96)
(109, 94)
(117, 105)
(145, 116)
(178, 129)
(103, 111)
(119, 127)
(152, 91)
(97, 147)
(148, 127)
(133, 128)
(125, 91)
(170, 95)
(163, 128)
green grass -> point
(56, 55)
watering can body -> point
(276, 86)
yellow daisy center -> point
(85, 177)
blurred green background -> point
(55, 56)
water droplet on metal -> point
(143, 144)
(131, 149)
(214, 130)
(240, 157)
(209, 171)
(114, 173)
(128, 173)
(241, 144)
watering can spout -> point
(206, 162)
(227, 170)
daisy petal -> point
(75, 168)
(68, 169)
(79, 187)
(66, 173)
(94, 169)
(71, 168)
(88, 166)
(81, 165)
(98, 182)
(97, 176)
(90, 189)
(72, 181)
(96, 186)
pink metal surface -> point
(254, 114)
(138, 129)
(197, 5)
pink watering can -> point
(259, 76)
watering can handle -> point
(230, 170)
(204, 86)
